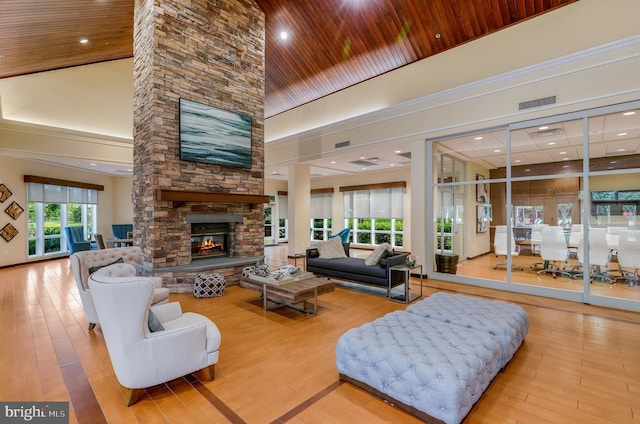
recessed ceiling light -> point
(478, 138)
(84, 41)
(392, 164)
(565, 158)
(629, 113)
(621, 150)
(333, 162)
(362, 157)
(551, 143)
(284, 35)
(497, 151)
(398, 151)
(563, 153)
(621, 134)
(93, 164)
(364, 169)
(518, 161)
(527, 170)
(613, 161)
(565, 166)
(543, 128)
(438, 35)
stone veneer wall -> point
(212, 52)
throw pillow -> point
(154, 323)
(95, 268)
(375, 256)
(331, 249)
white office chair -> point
(501, 248)
(553, 249)
(145, 352)
(536, 239)
(574, 237)
(629, 257)
(613, 238)
(598, 255)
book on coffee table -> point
(284, 280)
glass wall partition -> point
(463, 210)
(614, 195)
(546, 166)
(545, 206)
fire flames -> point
(209, 244)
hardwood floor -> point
(578, 364)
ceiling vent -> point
(537, 103)
(343, 144)
(548, 132)
(363, 163)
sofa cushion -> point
(331, 249)
(377, 253)
(154, 323)
(97, 267)
(354, 266)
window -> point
(53, 207)
(375, 216)
(321, 224)
(283, 217)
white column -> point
(419, 205)
(299, 208)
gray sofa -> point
(355, 269)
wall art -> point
(5, 193)
(8, 232)
(481, 189)
(14, 210)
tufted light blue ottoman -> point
(508, 323)
(432, 369)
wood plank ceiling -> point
(332, 44)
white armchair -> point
(188, 342)
(85, 262)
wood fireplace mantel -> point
(179, 197)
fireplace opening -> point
(209, 240)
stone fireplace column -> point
(210, 53)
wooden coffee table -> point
(291, 294)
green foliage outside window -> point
(364, 224)
(364, 238)
(383, 224)
(444, 223)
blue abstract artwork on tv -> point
(212, 135)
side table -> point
(407, 296)
(299, 256)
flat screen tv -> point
(603, 196)
(629, 195)
(212, 135)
